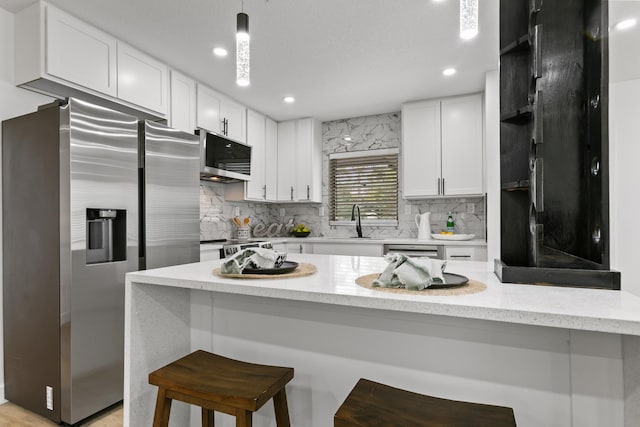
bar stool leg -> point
(281, 409)
(163, 409)
(244, 418)
(207, 417)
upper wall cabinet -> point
(141, 79)
(256, 189)
(300, 161)
(182, 111)
(55, 45)
(442, 147)
(271, 159)
(262, 136)
(219, 114)
(61, 56)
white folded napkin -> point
(252, 258)
(410, 273)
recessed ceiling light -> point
(625, 25)
(449, 71)
(289, 99)
(220, 51)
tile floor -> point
(14, 416)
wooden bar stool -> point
(216, 383)
(371, 404)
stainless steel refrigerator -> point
(88, 194)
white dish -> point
(453, 236)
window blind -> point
(369, 181)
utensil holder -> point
(242, 233)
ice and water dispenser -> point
(106, 235)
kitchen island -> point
(557, 356)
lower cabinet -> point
(466, 253)
(209, 254)
(454, 253)
(299, 248)
(354, 249)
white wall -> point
(624, 130)
(14, 102)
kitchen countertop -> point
(334, 283)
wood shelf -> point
(518, 116)
(521, 185)
(522, 44)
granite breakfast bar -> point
(557, 356)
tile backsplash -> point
(367, 133)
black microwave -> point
(223, 159)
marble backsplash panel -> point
(366, 133)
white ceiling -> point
(339, 58)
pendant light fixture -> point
(242, 49)
(468, 19)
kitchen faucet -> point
(353, 218)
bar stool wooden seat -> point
(372, 404)
(217, 383)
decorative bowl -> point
(301, 233)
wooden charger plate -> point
(471, 287)
(303, 269)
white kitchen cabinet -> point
(208, 109)
(279, 246)
(462, 148)
(353, 249)
(300, 161)
(465, 253)
(234, 119)
(298, 248)
(442, 147)
(421, 149)
(219, 114)
(209, 254)
(286, 161)
(182, 112)
(62, 56)
(262, 134)
(256, 188)
(271, 159)
(142, 80)
(54, 49)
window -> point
(368, 179)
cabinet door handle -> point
(264, 189)
(225, 129)
(459, 256)
(438, 186)
(308, 193)
(291, 192)
(443, 193)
